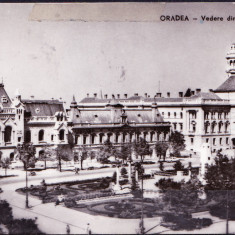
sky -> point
(53, 59)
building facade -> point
(202, 117)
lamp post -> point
(227, 214)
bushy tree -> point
(177, 142)
(63, 152)
(161, 148)
(26, 152)
(5, 163)
(106, 150)
(125, 152)
(141, 148)
(220, 186)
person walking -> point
(68, 229)
(88, 230)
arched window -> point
(41, 135)
(12, 156)
(61, 134)
(7, 134)
(28, 136)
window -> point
(4, 99)
(181, 126)
(192, 140)
(219, 115)
(151, 136)
(92, 139)
(227, 141)
(7, 134)
(214, 141)
(220, 141)
(181, 115)
(41, 135)
(84, 140)
(162, 113)
(175, 126)
(175, 114)
(52, 137)
(116, 140)
(28, 136)
(169, 114)
(101, 138)
(207, 140)
(206, 115)
(61, 135)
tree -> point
(220, 187)
(106, 151)
(47, 153)
(176, 141)
(26, 153)
(83, 155)
(125, 152)
(161, 148)
(5, 163)
(141, 148)
(63, 152)
(178, 166)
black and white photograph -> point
(117, 118)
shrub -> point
(70, 203)
(178, 166)
(164, 184)
(104, 183)
(6, 212)
(123, 171)
(23, 226)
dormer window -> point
(4, 99)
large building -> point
(203, 117)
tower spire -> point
(231, 61)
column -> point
(154, 154)
(136, 176)
(129, 172)
(118, 176)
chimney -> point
(146, 95)
(198, 90)
(106, 96)
(192, 92)
(95, 95)
(136, 94)
(60, 98)
(52, 98)
(125, 96)
(159, 94)
(113, 96)
(180, 94)
(87, 95)
(118, 96)
(168, 94)
(32, 97)
(210, 90)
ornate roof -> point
(43, 107)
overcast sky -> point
(58, 59)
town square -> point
(112, 126)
